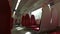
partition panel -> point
(46, 17)
(5, 15)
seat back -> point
(34, 26)
(27, 18)
(33, 21)
(23, 21)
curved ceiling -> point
(27, 5)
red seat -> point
(23, 21)
(33, 24)
(30, 23)
(27, 24)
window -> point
(37, 13)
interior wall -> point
(47, 14)
(55, 15)
(57, 5)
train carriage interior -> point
(36, 16)
(30, 17)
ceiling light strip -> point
(17, 4)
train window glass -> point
(37, 13)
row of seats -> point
(29, 22)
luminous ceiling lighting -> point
(37, 13)
(17, 4)
(28, 33)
